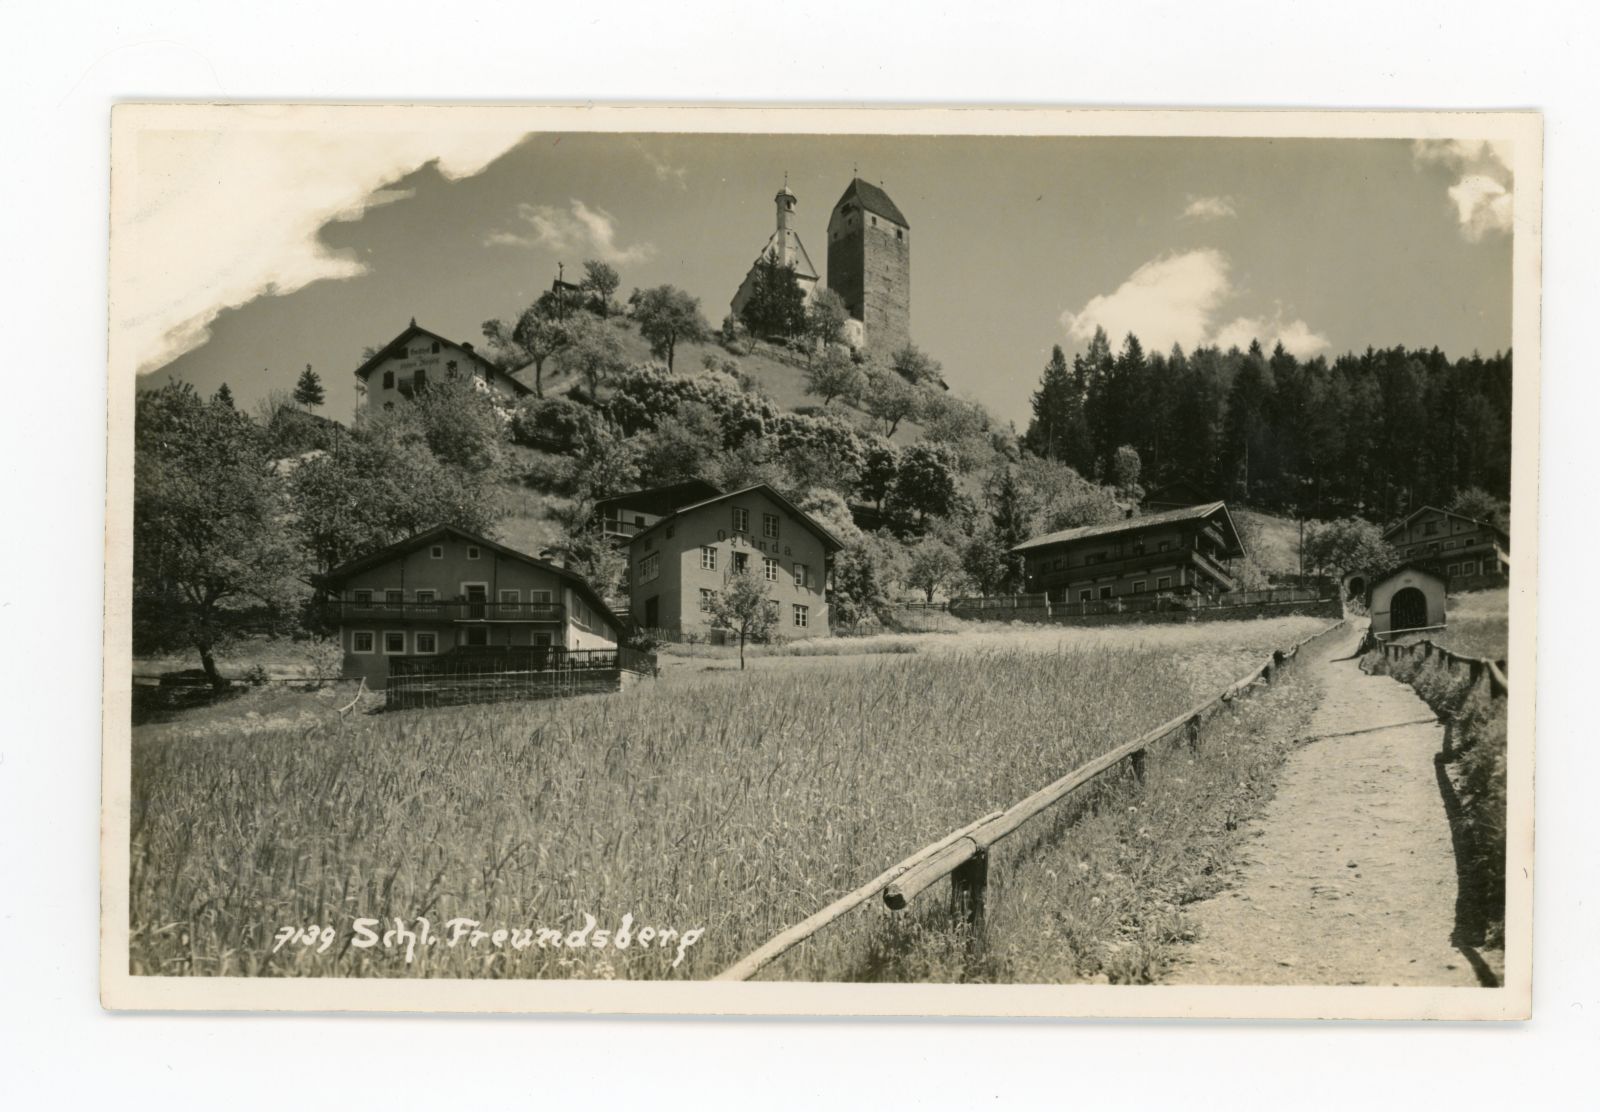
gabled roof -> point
(873, 199)
(796, 251)
(1135, 524)
(829, 541)
(414, 330)
(1407, 565)
(1414, 514)
(439, 532)
(661, 499)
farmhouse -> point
(678, 564)
(1462, 549)
(446, 591)
(1185, 551)
(623, 515)
(1408, 597)
(409, 361)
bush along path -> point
(1348, 875)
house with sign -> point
(1465, 551)
(1183, 551)
(417, 357)
(679, 564)
(447, 592)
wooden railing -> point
(1477, 666)
(963, 855)
(453, 610)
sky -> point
(298, 248)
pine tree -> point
(223, 396)
(777, 305)
(308, 390)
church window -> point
(874, 221)
(899, 234)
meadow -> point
(711, 802)
(1476, 624)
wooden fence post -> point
(969, 885)
(1138, 765)
(1192, 732)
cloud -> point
(666, 172)
(216, 218)
(1209, 208)
(1177, 299)
(1482, 195)
(578, 231)
(1169, 300)
(1295, 335)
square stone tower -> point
(869, 264)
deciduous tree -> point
(744, 606)
(666, 316)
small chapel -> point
(785, 246)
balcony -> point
(458, 610)
(1213, 569)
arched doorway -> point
(1408, 609)
(1358, 587)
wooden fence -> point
(1477, 666)
(963, 855)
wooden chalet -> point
(1465, 551)
(622, 516)
(1183, 551)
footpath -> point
(1348, 876)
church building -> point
(869, 264)
(785, 246)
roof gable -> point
(873, 199)
(829, 541)
(412, 331)
(1135, 524)
(438, 532)
(1419, 511)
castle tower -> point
(869, 264)
(785, 246)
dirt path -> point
(1348, 875)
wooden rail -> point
(1477, 666)
(963, 855)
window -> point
(802, 576)
(708, 599)
(388, 380)
(650, 568)
(1105, 592)
(435, 347)
(649, 544)
(363, 600)
(394, 642)
(477, 637)
(1057, 564)
(473, 552)
(1448, 544)
(394, 600)
(450, 369)
(671, 529)
(802, 616)
(1138, 586)
(638, 521)
(1085, 596)
(741, 563)
(426, 598)
(510, 601)
(427, 642)
(419, 378)
(772, 568)
(769, 525)
(545, 597)
(1164, 583)
(1095, 558)
(436, 552)
(361, 641)
(1453, 569)
(708, 558)
(1429, 528)
(741, 520)
(874, 221)
(1162, 547)
(899, 234)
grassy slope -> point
(1476, 624)
(1277, 546)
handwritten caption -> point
(419, 934)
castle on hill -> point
(869, 262)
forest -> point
(1373, 435)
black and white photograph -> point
(821, 561)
